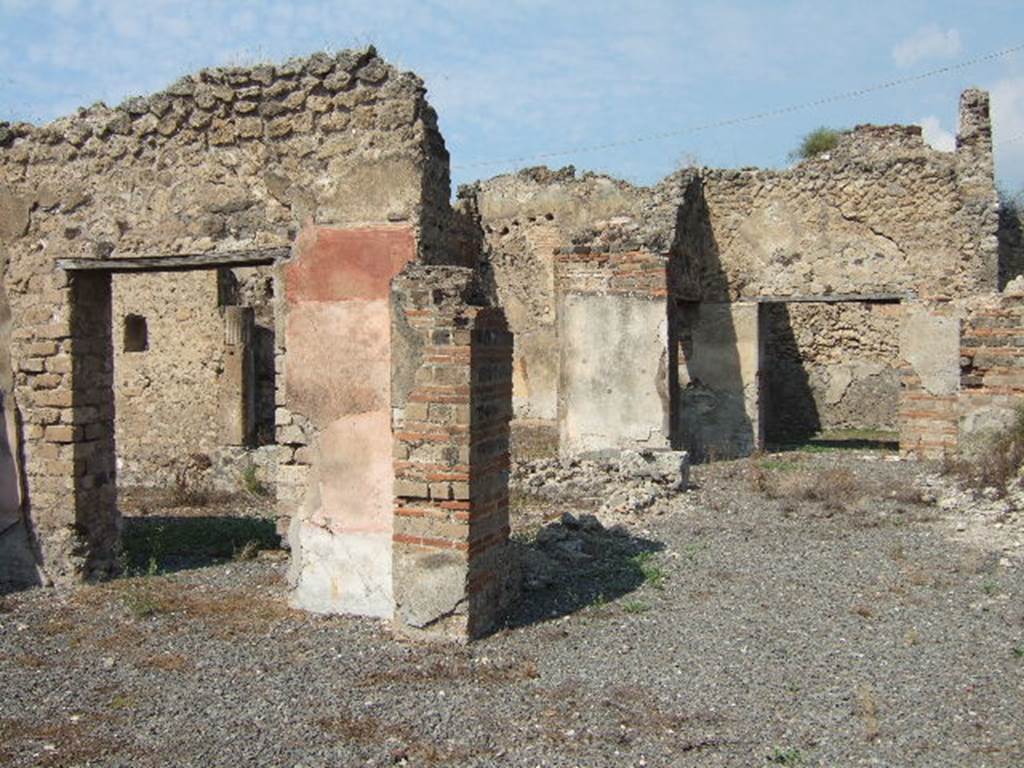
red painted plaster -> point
(344, 264)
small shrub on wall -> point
(817, 141)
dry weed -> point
(366, 729)
(993, 464)
(351, 727)
(864, 611)
(31, 660)
(54, 743)
(866, 708)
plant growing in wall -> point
(817, 141)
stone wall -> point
(170, 396)
(526, 218)
(719, 363)
(616, 383)
(166, 395)
(1011, 239)
(830, 367)
(223, 160)
(962, 375)
(882, 213)
(880, 218)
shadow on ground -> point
(815, 444)
(575, 563)
(156, 544)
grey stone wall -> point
(222, 160)
(830, 367)
(882, 214)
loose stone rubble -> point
(623, 483)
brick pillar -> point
(65, 378)
(91, 428)
(452, 401)
(237, 391)
(991, 370)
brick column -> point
(991, 369)
(452, 401)
(65, 378)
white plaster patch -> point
(931, 344)
(341, 573)
(606, 402)
(436, 588)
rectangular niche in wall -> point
(136, 333)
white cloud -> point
(930, 42)
(935, 135)
(1008, 130)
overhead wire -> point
(753, 117)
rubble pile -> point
(621, 482)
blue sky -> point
(524, 78)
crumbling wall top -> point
(232, 158)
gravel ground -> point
(802, 609)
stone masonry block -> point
(411, 489)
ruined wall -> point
(963, 373)
(1011, 240)
(226, 159)
(526, 218)
(613, 328)
(166, 395)
(830, 367)
(170, 396)
(18, 558)
(719, 362)
(881, 215)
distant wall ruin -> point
(825, 253)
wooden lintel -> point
(178, 262)
(836, 298)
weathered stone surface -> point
(183, 172)
(830, 366)
(340, 574)
(14, 214)
(718, 374)
(605, 404)
(438, 591)
(931, 344)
